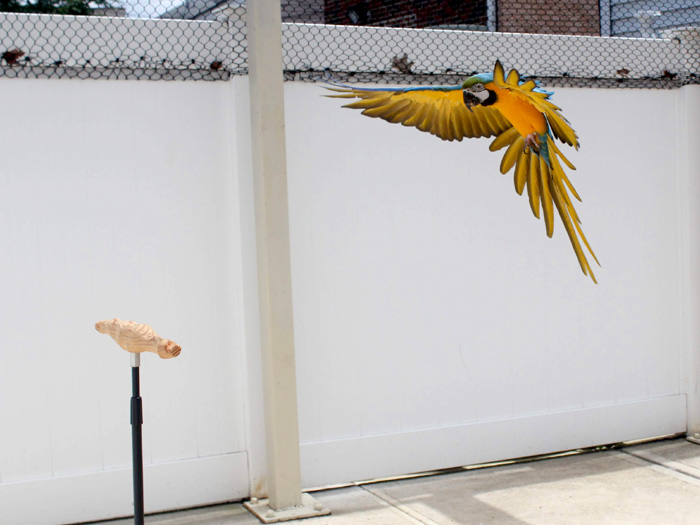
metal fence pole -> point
(286, 500)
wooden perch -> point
(137, 338)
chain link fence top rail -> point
(629, 43)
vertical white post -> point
(274, 275)
(691, 135)
(286, 500)
(491, 15)
(688, 133)
(604, 17)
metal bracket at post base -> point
(310, 508)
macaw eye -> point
(476, 88)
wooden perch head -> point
(137, 338)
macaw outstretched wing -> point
(436, 110)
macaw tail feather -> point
(548, 187)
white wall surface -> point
(436, 325)
(118, 199)
(430, 304)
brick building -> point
(402, 13)
(573, 17)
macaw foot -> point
(532, 141)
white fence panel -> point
(118, 199)
(433, 314)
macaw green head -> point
(474, 93)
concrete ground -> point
(650, 483)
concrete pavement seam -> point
(413, 516)
(657, 464)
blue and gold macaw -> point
(518, 113)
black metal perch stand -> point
(136, 439)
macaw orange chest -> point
(524, 116)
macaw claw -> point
(532, 141)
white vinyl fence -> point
(119, 199)
(435, 323)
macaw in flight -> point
(518, 113)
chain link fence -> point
(630, 43)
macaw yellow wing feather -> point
(520, 178)
(533, 183)
(499, 76)
(503, 140)
(546, 196)
(513, 77)
(512, 154)
(440, 112)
